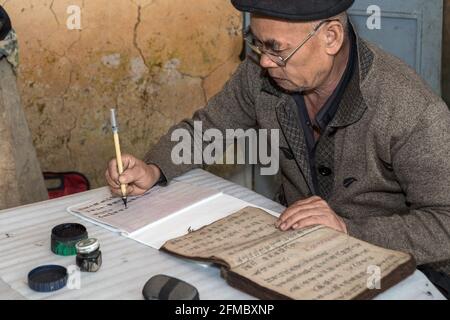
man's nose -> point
(266, 62)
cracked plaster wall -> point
(156, 61)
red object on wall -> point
(66, 183)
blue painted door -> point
(411, 30)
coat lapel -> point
(289, 123)
(352, 106)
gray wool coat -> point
(388, 148)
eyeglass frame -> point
(282, 62)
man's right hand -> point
(138, 176)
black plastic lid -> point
(47, 278)
(69, 232)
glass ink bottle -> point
(89, 256)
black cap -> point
(5, 24)
(47, 278)
(294, 10)
(65, 236)
(69, 232)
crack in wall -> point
(204, 78)
(64, 96)
(72, 45)
(135, 35)
(208, 75)
(141, 53)
(205, 96)
(68, 140)
(54, 13)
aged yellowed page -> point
(236, 239)
(324, 264)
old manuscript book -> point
(311, 263)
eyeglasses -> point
(257, 46)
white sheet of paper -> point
(193, 218)
(157, 204)
(161, 214)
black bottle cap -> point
(65, 237)
(47, 278)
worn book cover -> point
(316, 263)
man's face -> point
(307, 68)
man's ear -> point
(334, 37)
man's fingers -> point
(294, 209)
(314, 201)
(128, 161)
(130, 175)
(299, 215)
(112, 170)
(136, 175)
(311, 221)
(112, 183)
(308, 212)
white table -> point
(127, 265)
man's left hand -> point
(309, 212)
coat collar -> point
(352, 106)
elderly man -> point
(364, 143)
